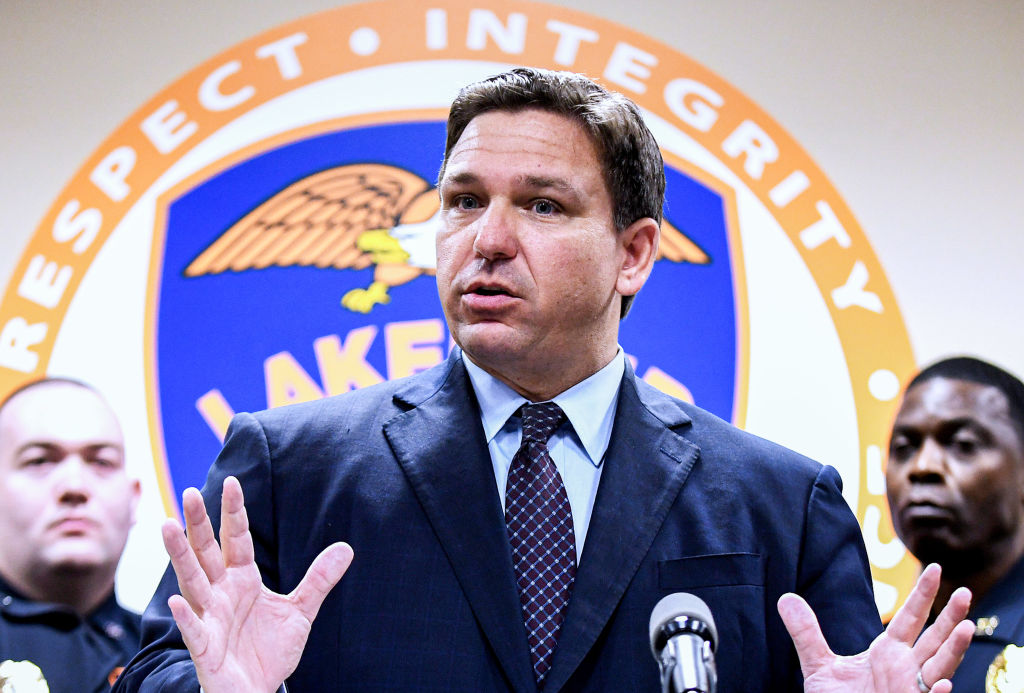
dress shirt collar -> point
(589, 405)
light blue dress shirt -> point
(577, 450)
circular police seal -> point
(261, 232)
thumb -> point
(802, 624)
(320, 579)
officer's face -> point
(955, 479)
(66, 502)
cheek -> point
(894, 487)
(447, 258)
(24, 516)
(25, 495)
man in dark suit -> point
(955, 481)
(518, 510)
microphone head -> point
(681, 605)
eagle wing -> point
(678, 247)
(314, 221)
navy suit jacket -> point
(401, 471)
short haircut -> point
(45, 382)
(631, 162)
(975, 370)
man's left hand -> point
(898, 659)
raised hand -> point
(242, 637)
(892, 663)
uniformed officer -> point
(66, 506)
(955, 481)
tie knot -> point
(540, 421)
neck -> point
(548, 381)
(979, 582)
(82, 591)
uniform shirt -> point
(577, 448)
(75, 655)
(999, 618)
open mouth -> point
(490, 291)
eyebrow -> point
(947, 427)
(464, 178)
(533, 182)
(48, 446)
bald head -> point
(66, 500)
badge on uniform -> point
(22, 677)
(1006, 672)
(986, 626)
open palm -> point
(892, 662)
(241, 636)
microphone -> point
(683, 640)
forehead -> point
(58, 413)
(532, 136)
(948, 398)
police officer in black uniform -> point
(955, 481)
(66, 506)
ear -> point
(639, 242)
(136, 493)
(1020, 479)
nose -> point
(496, 233)
(71, 484)
(929, 463)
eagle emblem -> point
(354, 216)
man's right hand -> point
(241, 635)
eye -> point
(901, 448)
(105, 462)
(545, 207)
(465, 202)
(38, 457)
(104, 457)
(965, 446)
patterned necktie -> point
(540, 531)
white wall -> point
(913, 109)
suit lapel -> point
(645, 468)
(440, 445)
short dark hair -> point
(984, 373)
(631, 162)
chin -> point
(488, 343)
(77, 560)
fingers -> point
(949, 654)
(942, 645)
(936, 634)
(803, 628)
(322, 576)
(192, 580)
(906, 625)
(235, 539)
(200, 534)
(192, 631)
(200, 561)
